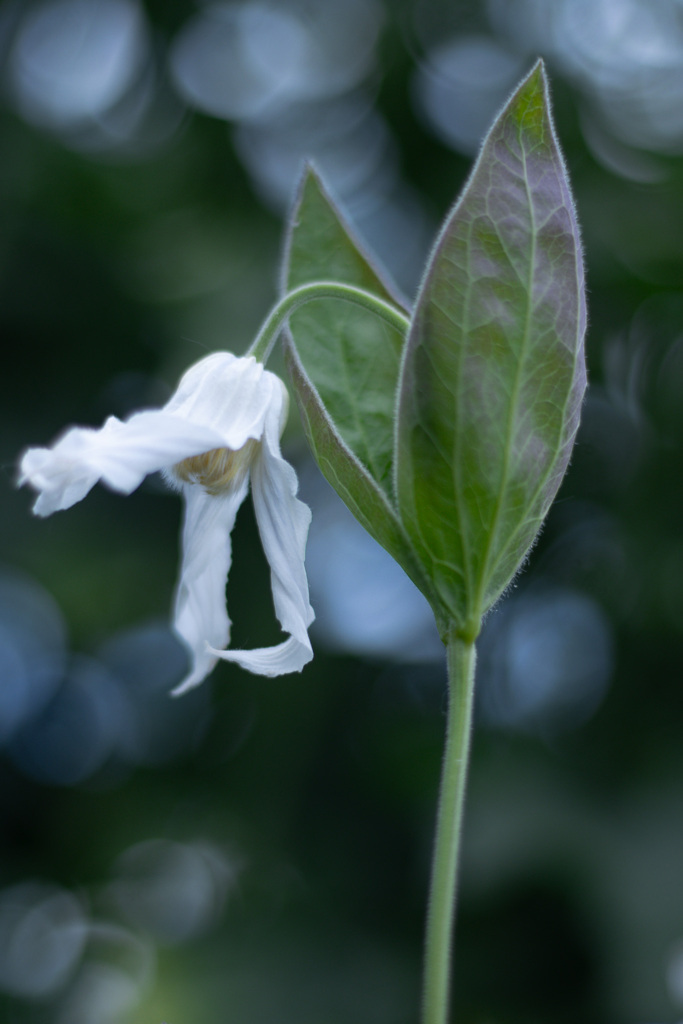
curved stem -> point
(277, 317)
(441, 913)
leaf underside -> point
(494, 373)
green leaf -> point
(494, 371)
(344, 364)
(352, 482)
(351, 357)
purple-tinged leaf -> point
(494, 374)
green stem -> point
(277, 317)
(441, 913)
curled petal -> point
(60, 475)
(283, 523)
(227, 393)
(289, 656)
(120, 454)
(201, 617)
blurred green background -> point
(258, 852)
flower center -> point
(218, 470)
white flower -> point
(220, 430)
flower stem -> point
(441, 913)
(277, 317)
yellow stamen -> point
(218, 470)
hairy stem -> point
(441, 913)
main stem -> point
(441, 913)
(277, 317)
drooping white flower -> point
(219, 431)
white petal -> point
(61, 478)
(283, 523)
(230, 394)
(201, 617)
(289, 656)
(119, 454)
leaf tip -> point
(535, 80)
(310, 172)
(307, 174)
(529, 104)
